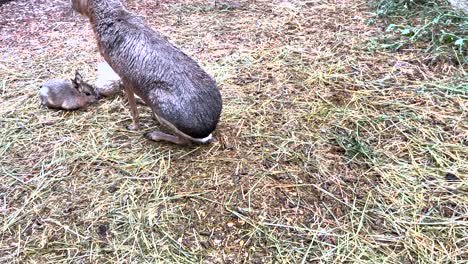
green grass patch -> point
(429, 25)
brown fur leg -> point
(133, 108)
(140, 101)
(160, 136)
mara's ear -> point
(77, 81)
(75, 84)
(78, 77)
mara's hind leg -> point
(160, 136)
(178, 138)
(133, 108)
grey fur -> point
(175, 87)
(108, 82)
(67, 95)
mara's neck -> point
(104, 9)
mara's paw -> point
(133, 127)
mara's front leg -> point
(133, 108)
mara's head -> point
(82, 87)
(81, 6)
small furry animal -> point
(67, 95)
(181, 94)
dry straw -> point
(326, 151)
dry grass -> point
(326, 151)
